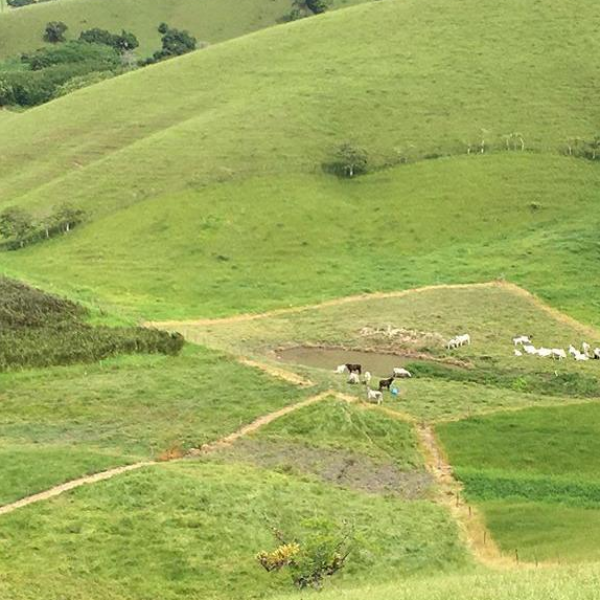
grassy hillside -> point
(530, 584)
(282, 231)
(63, 423)
(209, 20)
(192, 531)
(535, 476)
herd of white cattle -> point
(524, 342)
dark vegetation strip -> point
(486, 486)
(576, 385)
(41, 330)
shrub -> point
(349, 161)
(321, 554)
(175, 42)
(123, 42)
(55, 32)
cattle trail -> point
(207, 448)
(276, 372)
(71, 485)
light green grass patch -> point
(210, 21)
(28, 469)
(336, 424)
(62, 423)
(193, 529)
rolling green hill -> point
(209, 20)
(199, 183)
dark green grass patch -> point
(536, 476)
(40, 330)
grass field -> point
(579, 583)
(491, 314)
(205, 173)
(536, 478)
(192, 531)
(210, 21)
(64, 422)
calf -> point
(374, 396)
(385, 383)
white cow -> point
(558, 353)
(367, 377)
(373, 396)
(401, 373)
(597, 353)
(529, 349)
(572, 350)
(340, 369)
(354, 378)
(580, 356)
(586, 348)
(544, 352)
(518, 352)
(522, 339)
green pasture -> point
(535, 476)
(210, 21)
(192, 530)
(61, 423)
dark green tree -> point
(55, 32)
(350, 160)
(66, 216)
(16, 224)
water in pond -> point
(329, 358)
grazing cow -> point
(581, 357)
(354, 378)
(464, 339)
(354, 368)
(518, 352)
(385, 383)
(401, 373)
(522, 339)
(573, 351)
(558, 353)
(596, 353)
(544, 352)
(586, 349)
(529, 349)
(340, 369)
(367, 377)
(373, 396)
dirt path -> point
(265, 420)
(221, 443)
(276, 372)
(71, 485)
(470, 522)
(328, 303)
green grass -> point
(492, 315)
(535, 476)
(560, 583)
(192, 530)
(232, 211)
(336, 424)
(210, 21)
(64, 422)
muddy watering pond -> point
(329, 358)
